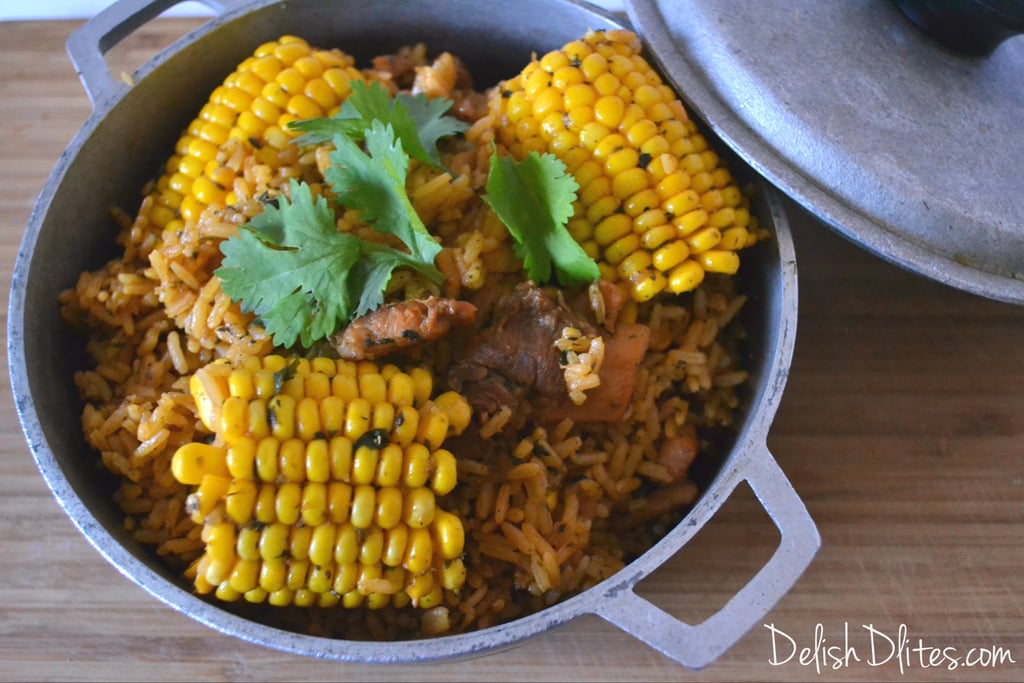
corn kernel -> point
(364, 505)
(193, 461)
(344, 387)
(449, 533)
(240, 500)
(577, 116)
(453, 575)
(641, 202)
(364, 465)
(703, 240)
(346, 545)
(685, 277)
(629, 182)
(612, 228)
(433, 428)
(670, 255)
(395, 539)
(406, 425)
(226, 593)
(593, 133)
(357, 418)
(609, 110)
(445, 472)
(419, 586)
(547, 100)
(314, 503)
(339, 499)
(389, 507)
(609, 144)
(288, 503)
(621, 248)
(267, 464)
(297, 572)
(292, 460)
(274, 542)
(636, 262)
(298, 544)
(593, 65)
(657, 236)
(319, 580)
(553, 61)
(603, 208)
(719, 261)
(596, 189)
(733, 238)
(265, 501)
(647, 284)
(371, 547)
(382, 417)
(247, 545)
(518, 107)
(418, 551)
(690, 222)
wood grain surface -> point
(902, 428)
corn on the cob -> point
(656, 207)
(320, 484)
(284, 80)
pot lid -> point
(910, 149)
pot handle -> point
(696, 646)
(88, 44)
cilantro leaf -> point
(534, 199)
(431, 125)
(418, 121)
(373, 183)
(291, 267)
(372, 273)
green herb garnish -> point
(374, 185)
(292, 267)
(419, 122)
(305, 280)
(534, 198)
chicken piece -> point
(516, 352)
(609, 401)
(398, 326)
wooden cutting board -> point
(902, 428)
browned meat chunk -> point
(516, 352)
(606, 302)
(614, 300)
(398, 326)
(623, 352)
(677, 454)
(399, 67)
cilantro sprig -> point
(292, 267)
(533, 198)
(419, 122)
(302, 277)
(373, 183)
(305, 279)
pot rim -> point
(613, 599)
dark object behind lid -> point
(906, 147)
(973, 27)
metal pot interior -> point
(117, 150)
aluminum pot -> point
(126, 140)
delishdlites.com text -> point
(874, 646)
